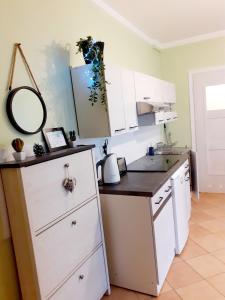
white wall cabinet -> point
(147, 88)
(125, 88)
(168, 92)
(165, 117)
(119, 116)
(115, 100)
(130, 100)
(57, 235)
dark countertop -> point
(143, 184)
(30, 161)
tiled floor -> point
(199, 272)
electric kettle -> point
(109, 169)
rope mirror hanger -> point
(21, 99)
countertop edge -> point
(46, 157)
(116, 190)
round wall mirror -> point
(26, 110)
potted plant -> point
(93, 54)
(17, 145)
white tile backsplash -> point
(130, 145)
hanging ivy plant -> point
(93, 54)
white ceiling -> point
(170, 22)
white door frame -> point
(191, 100)
(192, 112)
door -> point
(129, 100)
(188, 193)
(164, 240)
(209, 114)
(168, 92)
(147, 88)
(180, 209)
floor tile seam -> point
(204, 280)
(199, 245)
(214, 286)
(207, 249)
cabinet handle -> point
(161, 120)
(174, 118)
(131, 127)
(81, 277)
(187, 166)
(168, 119)
(74, 222)
(117, 130)
(147, 98)
(160, 200)
(169, 188)
(187, 179)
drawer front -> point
(87, 283)
(159, 117)
(160, 196)
(62, 247)
(44, 192)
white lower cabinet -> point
(66, 240)
(140, 241)
(86, 283)
(164, 241)
(57, 235)
(181, 207)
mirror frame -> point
(11, 117)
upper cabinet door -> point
(143, 90)
(168, 92)
(116, 107)
(129, 100)
(148, 88)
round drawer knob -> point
(81, 277)
(73, 223)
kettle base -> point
(100, 183)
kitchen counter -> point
(143, 184)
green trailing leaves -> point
(93, 54)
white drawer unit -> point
(66, 240)
(160, 196)
(57, 235)
(163, 225)
(85, 283)
(181, 206)
(43, 187)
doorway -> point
(208, 128)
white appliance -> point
(140, 251)
(180, 207)
(163, 225)
(109, 170)
(187, 189)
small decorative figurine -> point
(38, 150)
(17, 145)
(72, 140)
(69, 183)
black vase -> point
(90, 54)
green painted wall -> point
(48, 30)
(176, 63)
